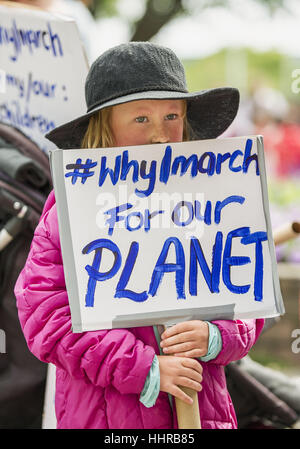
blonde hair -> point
(99, 134)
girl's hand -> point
(179, 371)
(187, 339)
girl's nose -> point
(159, 134)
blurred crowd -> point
(279, 123)
(267, 112)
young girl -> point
(136, 94)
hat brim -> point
(209, 112)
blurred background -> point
(252, 45)
(249, 44)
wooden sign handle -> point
(188, 416)
(20, 5)
(286, 232)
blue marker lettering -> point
(14, 114)
(212, 277)
(161, 268)
(257, 238)
(248, 158)
(121, 291)
(175, 214)
(210, 165)
(151, 176)
(93, 270)
(192, 160)
(55, 42)
(233, 157)
(229, 261)
(165, 165)
(220, 159)
(140, 221)
(221, 204)
(114, 216)
(114, 174)
(148, 217)
(126, 167)
(207, 213)
(198, 215)
(30, 39)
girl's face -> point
(144, 122)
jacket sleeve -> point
(238, 337)
(106, 357)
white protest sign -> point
(42, 71)
(159, 233)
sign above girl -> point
(158, 234)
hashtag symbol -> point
(80, 170)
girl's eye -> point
(171, 116)
(141, 119)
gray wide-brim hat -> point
(146, 71)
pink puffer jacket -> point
(101, 374)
